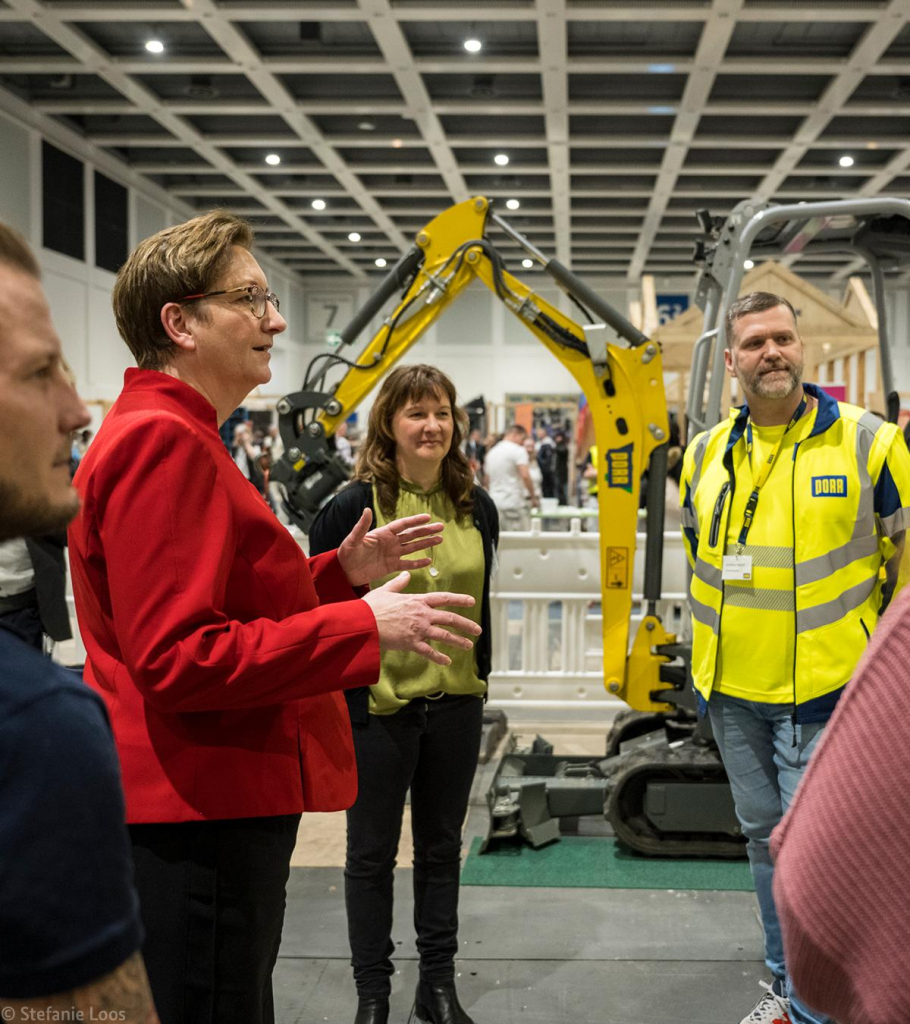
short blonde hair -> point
(182, 260)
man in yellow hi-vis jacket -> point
(790, 509)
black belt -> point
(29, 599)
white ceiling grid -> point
(713, 44)
(620, 120)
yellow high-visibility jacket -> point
(850, 503)
(593, 461)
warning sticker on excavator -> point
(617, 568)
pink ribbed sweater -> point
(842, 853)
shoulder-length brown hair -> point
(376, 458)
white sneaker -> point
(770, 1009)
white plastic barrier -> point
(547, 624)
(547, 635)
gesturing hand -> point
(408, 622)
(367, 555)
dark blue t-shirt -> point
(68, 910)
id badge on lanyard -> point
(736, 567)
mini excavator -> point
(661, 783)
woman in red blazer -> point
(219, 649)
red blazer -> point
(217, 647)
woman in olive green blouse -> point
(419, 727)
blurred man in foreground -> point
(69, 917)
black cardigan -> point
(339, 516)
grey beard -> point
(781, 388)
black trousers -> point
(430, 747)
(212, 897)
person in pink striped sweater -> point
(841, 853)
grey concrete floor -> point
(611, 956)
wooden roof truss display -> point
(837, 336)
(875, 232)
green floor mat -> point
(583, 862)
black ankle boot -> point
(438, 1004)
(372, 1010)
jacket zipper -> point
(795, 618)
(865, 630)
(718, 510)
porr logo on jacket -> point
(829, 487)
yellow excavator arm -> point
(623, 386)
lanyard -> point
(763, 473)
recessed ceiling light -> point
(273, 159)
(396, 143)
(155, 46)
(527, 264)
(318, 204)
(846, 161)
(748, 264)
(354, 236)
(367, 126)
(473, 45)
(380, 262)
(500, 159)
(512, 204)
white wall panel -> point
(108, 354)
(15, 187)
(468, 321)
(67, 295)
(150, 218)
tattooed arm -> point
(123, 995)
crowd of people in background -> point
(522, 471)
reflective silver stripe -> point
(832, 611)
(688, 518)
(865, 524)
(766, 556)
(814, 569)
(708, 574)
(703, 614)
(865, 506)
(871, 422)
(900, 520)
(698, 460)
(759, 598)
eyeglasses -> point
(256, 295)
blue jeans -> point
(764, 765)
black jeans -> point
(212, 896)
(431, 747)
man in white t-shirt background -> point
(509, 479)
